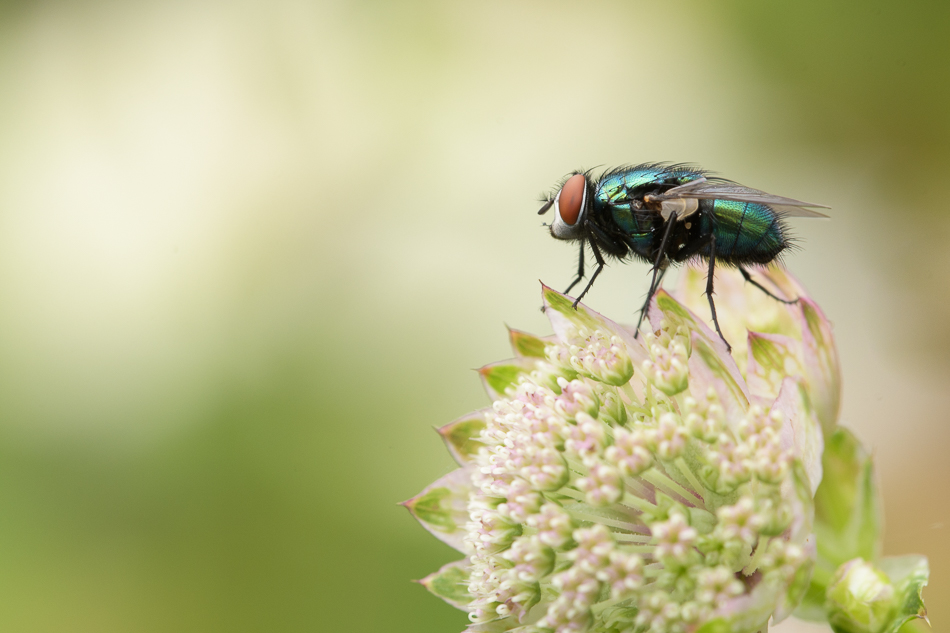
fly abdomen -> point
(746, 232)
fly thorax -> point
(683, 207)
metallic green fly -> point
(668, 214)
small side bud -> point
(860, 598)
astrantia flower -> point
(645, 484)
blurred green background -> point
(250, 252)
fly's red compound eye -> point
(571, 199)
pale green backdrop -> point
(251, 251)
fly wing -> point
(703, 189)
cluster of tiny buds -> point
(572, 444)
(596, 354)
(667, 368)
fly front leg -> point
(600, 266)
(580, 269)
(752, 281)
(658, 269)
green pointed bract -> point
(461, 436)
(787, 286)
(666, 307)
(741, 306)
(450, 583)
(822, 369)
(442, 507)
(709, 363)
(751, 613)
(797, 589)
(867, 598)
(803, 525)
(563, 317)
(801, 328)
(801, 430)
(772, 357)
(498, 378)
(564, 306)
(524, 344)
(709, 370)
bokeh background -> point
(250, 252)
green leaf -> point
(848, 511)
(772, 357)
(848, 516)
(716, 625)
(909, 575)
(450, 583)
(442, 508)
(525, 344)
(461, 436)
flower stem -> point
(669, 486)
(697, 485)
(637, 503)
(620, 525)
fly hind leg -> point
(708, 240)
(709, 289)
(748, 277)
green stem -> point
(666, 484)
(641, 539)
(637, 503)
(620, 525)
(627, 389)
(691, 478)
(601, 606)
(577, 495)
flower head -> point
(642, 484)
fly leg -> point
(580, 270)
(658, 269)
(650, 293)
(709, 288)
(710, 241)
(748, 277)
(600, 266)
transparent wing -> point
(790, 211)
(703, 189)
